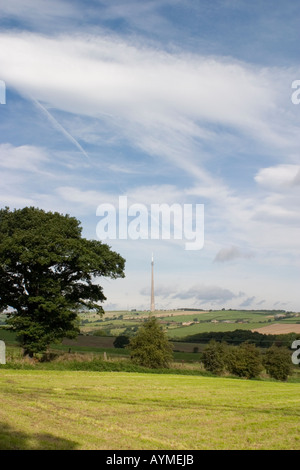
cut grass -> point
(117, 410)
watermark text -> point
(181, 460)
(296, 94)
(296, 354)
(161, 221)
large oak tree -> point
(47, 272)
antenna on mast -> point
(152, 307)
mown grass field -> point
(48, 409)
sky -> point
(186, 103)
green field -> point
(182, 332)
(108, 410)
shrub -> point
(213, 357)
(121, 341)
(100, 333)
(150, 347)
(244, 361)
(277, 361)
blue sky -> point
(169, 101)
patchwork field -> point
(279, 328)
(92, 410)
(181, 323)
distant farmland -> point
(181, 323)
(178, 324)
(279, 328)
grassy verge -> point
(85, 362)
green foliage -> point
(243, 361)
(150, 347)
(239, 336)
(277, 361)
(100, 333)
(121, 341)
(213, 357)
(97, 365)
(46, 273)
(130, 331)
(234, 337)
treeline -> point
(190, 309)
(237, 337)
(246, 360)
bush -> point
(121, 341)
(100, 333)
(150, 347)
(243, 361)
(213, 357)
(277, 361)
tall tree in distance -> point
(47, 271)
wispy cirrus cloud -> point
(177, 107)
(152, 90)
(24, 157)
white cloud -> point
(85, 199)
(141, 194)
(173, 96)
(279, 176)
(196, 294)
(22, 158)
(164, 104)
(204, 293)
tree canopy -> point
(277, 361)
(150, 346)
(47, 271)
(213, 357)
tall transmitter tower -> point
(152, 307)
